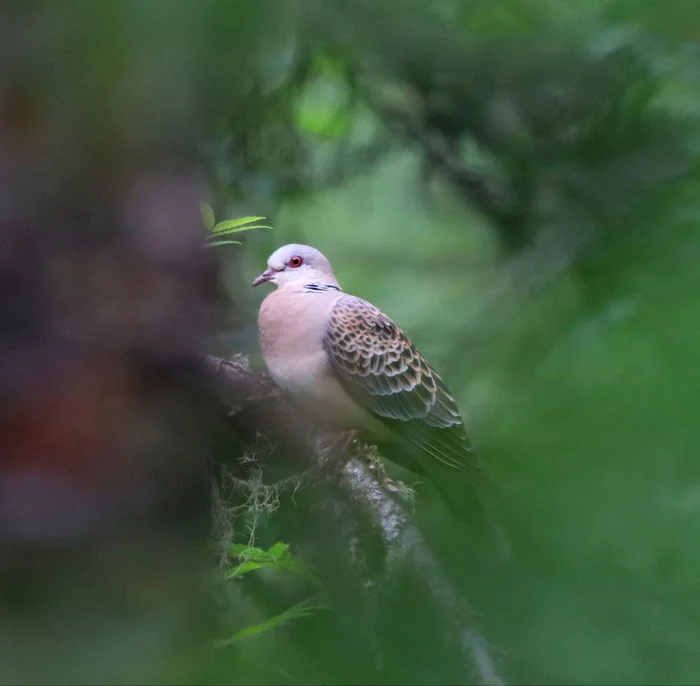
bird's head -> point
(299, 265)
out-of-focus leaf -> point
(208, 218)
(278, 549)
(322, 122)
(305, 608)
(324, 107)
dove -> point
(344, 361)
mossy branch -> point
(363, 493)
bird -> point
(347, 363)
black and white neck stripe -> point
(320, 287)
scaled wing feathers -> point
(381, 369)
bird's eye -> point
(296, 261)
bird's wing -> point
(381, 369)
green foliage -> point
(324, 106)
(277, 558)
(305, 608)
(226, 227)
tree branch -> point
(367, 495)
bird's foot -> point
(350, 437)
(342, 441)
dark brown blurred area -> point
(104, 292)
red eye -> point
(296, 261)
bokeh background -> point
(514, 182)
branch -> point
(368, 494)
(505, 199)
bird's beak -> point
(267, 275)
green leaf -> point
(277, 557)
(303, 609)
(245, 220)
(245, 567)
(207, 216)
(278, 549)
(237, 222)
(234, 225)
(240, 549)
(211, 244)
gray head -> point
(297, 264)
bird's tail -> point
(461, 498)
(471, 512)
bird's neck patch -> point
(320, 287)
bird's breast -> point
(293, 325)
(292, 329)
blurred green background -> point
(515, 183)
